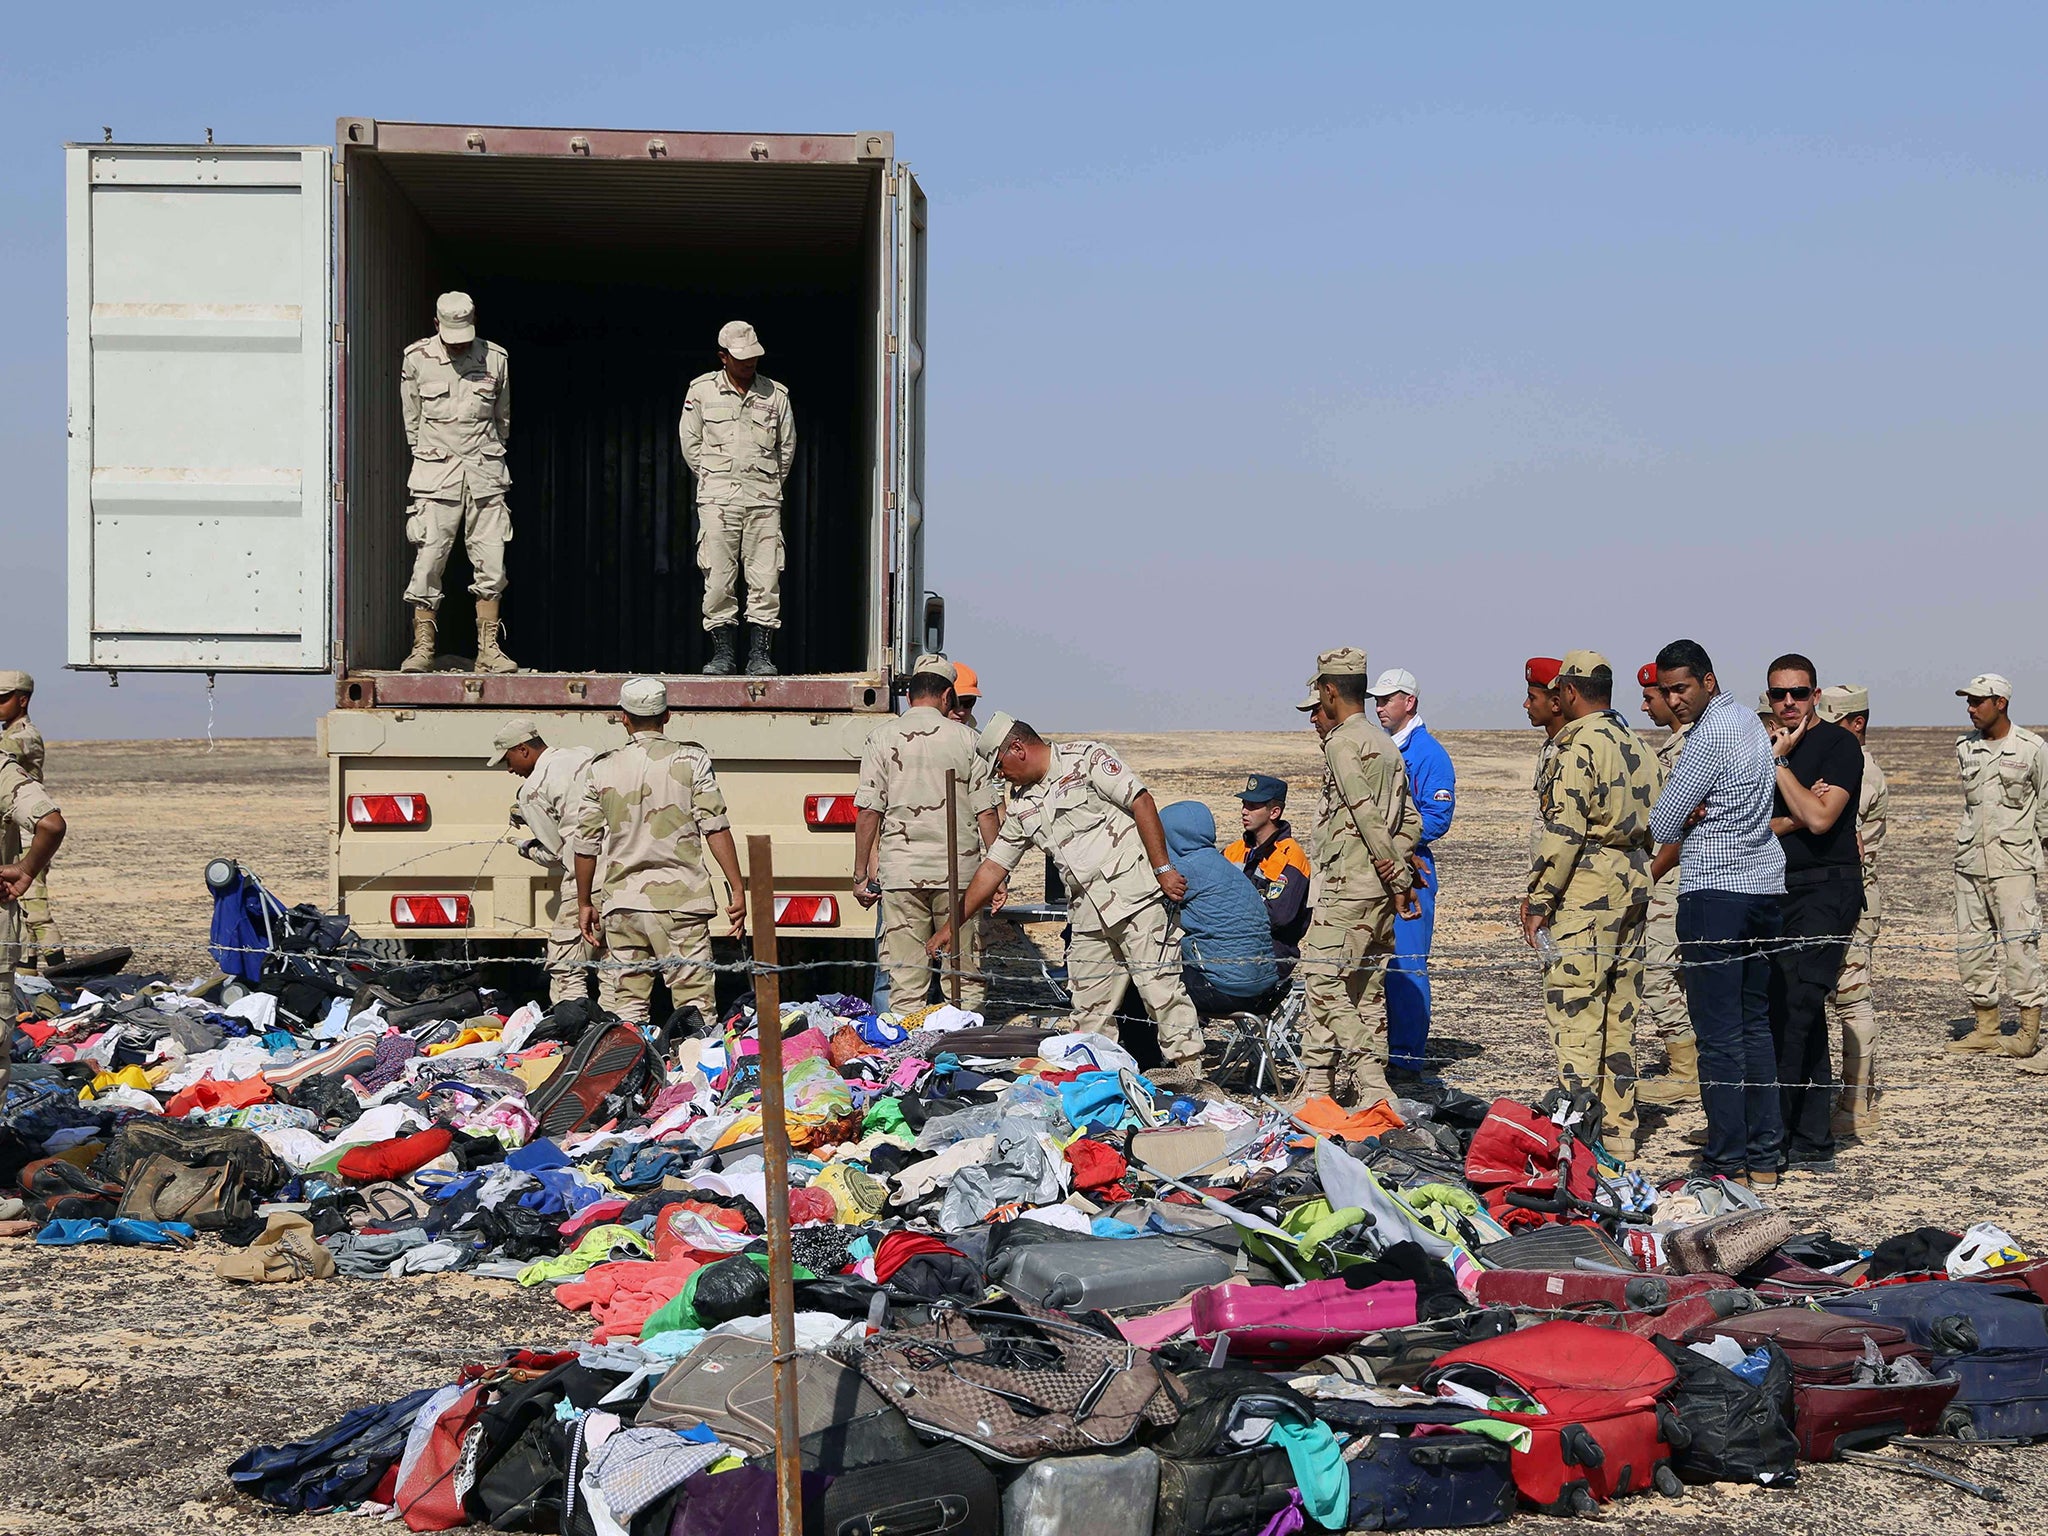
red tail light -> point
(829, 811)
(806, 912)
(365, 811)
(430, 912)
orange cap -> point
(965, 684)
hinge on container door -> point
(888, 500)
(337, 493)
(340, 335)
(337, 170)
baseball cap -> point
(1843, 700)
(12, 681)
(1646, 675)
(1985, 685)
(1585, 664)
(1345, 661)
(1394, 680)
(643, 697)
(934, 663)
(1262, 789)
(966, 682)
(455, 319)
(994, 734)
(1541, 670)
(736, 338)
(516, 732)
(1311, 701)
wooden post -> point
(952, 882)
(775, 1148)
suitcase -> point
(1727, 1244)
(727, 1384)
(1285, 1325)
(1108, 1273)
(1995, 1342)
(1222, 1495)
(603, 1079)
(1823, 1348)
(943, 1490)
(1428, 1482)
(1066, 1494)
(1600, 1432)
(1837, 1415)
(1561, 1290)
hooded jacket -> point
(1224, 929)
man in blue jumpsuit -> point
(1434, 786)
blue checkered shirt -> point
(1726, 765)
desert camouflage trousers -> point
(1850, 1003)
(1664, 1008)
(10, 956)
(431, 528)
(1998, 920)
(1592, 996)
(1344, 959)
(911, 917)
(1145, 949)
(735, 539)
(638, 944)
(568, 955)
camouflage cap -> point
(455, 319)
(1985, 685)
(643, 697)
(516, 732)
(1586, 664)
(994, 734)
(1843, 700)
(736, 338)
(936, 665)
(13, 681)
(1345, 661)
(1765, 708)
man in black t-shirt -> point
(1820, 774)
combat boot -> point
(759, 662)
(1316, 1083)
(1680, 1083)
(1985, 1037)
(488, 657)
(2028, 1041)
(1856, 1112)
(421, 657)
(723, 642)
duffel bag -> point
(260, 1170)
(1222, 1495)
(1736, 1431)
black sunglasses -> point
(1802, 694)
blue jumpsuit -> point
(1434, 786)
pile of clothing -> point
(1033, 1291)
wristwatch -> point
(1162, 869)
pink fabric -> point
(802, 1047)
(591, 1215)
(1155, 1328)
(624, 1293)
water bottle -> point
(1546, 946)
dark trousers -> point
(1724, 945)
(1212, 1002)
(1819, 914)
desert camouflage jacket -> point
(903, 780)
(646, 809)
(1366, 812)
(1080, 813)
(1594, 854)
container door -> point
(906, 395)
(200, 506)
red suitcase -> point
(1601, 1433)
(1561, 1290)
(1286, 1325)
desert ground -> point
(129, 1380)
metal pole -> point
(775, 1148)
(952, 879)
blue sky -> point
(1459, 336)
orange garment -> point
(1340, 1124)
(209, 1094)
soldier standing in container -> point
(649, 810)
(899, 836)
(550, 790)
(739, 439)
(455, 394)
(19, 739)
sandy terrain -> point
(128, 1381)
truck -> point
(237, 465)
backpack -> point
(1736, 1431)
(164, 1189)
(605, 1078)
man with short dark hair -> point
(1433, 786)
(1275, 863)
(1717, 802)
(1819, 776)
(1539, 703)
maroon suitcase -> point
(1576, 1291)
(1830, 1416)
(1824, 1349)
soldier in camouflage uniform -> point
(899, 838)
(1078, 802)
(1539, 703)
(649, 810)
(1590, 886)
(549, 796)
(26, 812)
(41, 944)
(1664, 1007)
(1366, 829)
(1849, 1003)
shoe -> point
(2028, 1041)
(1680, 1082)
(1694, 1138)
(1759, 1179)
(1141, 1102)
(488, 657)
(759, 662)
(421, 657)
(1316, 1083)
(722, 662)
(1666, 1092)
(1985, 1037)
(1808, 1162)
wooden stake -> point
(952, 881)
(775, 1149)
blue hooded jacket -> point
(1224, 929)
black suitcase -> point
(1222, 1495)
(946, 1490)
(1429, 1482)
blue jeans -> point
(1724, 942)
(1408, 978)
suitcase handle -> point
(1462, 1455)
(945, 1512)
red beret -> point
(1646, 674)
(1542, 670)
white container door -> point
(200, 500)
(907, 210)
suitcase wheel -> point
(1957, 1422)
(1582, 1503)
(1675, 1434)
(1578, 1447)
(1668, 1482)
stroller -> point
(256, 937)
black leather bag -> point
(1222, 1495)
(946, 1490)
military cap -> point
(1646, 675)
(736, 338)
(455, 319)
(936, 665)
(1843, 700)
(966, 682)
(1765, 708)
(1586, 664)
(643, 697)
(1345, 661)
(1262, 789)
(16, 682)
(1541, 671)
(1311, 701)
(1985, 685)
(994, 734)
(516, 732)
(1392, 681)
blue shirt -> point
(1432, 783)
(1726, 765)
